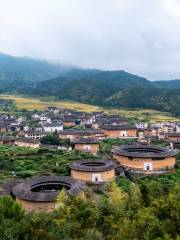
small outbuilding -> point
(25, 142)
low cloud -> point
(142, 37)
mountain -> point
(171, 84)
(26, 69)
(112, 89)
(90, 86)
(105, 88)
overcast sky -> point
(139, 36)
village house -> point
(119, 131)
(25, 142)
(7, 140)
(35, 135)
(53, 127)
(65, 147)
(175, 146)
(162, 135)
(152, 132)
(21, 119)
(44, 118)
(26, 128)
(69, 122)
(4, 117)
(173, 137)
(142, 125)
(109, 120)
(90, 145)
(75, 134)
(168, 128)
(35, 117)
(15, 127)
(178, 127)
(3, 127)
(87, 119)
(54, 109)
(161, 124)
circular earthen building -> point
(144, 158)
(93, 170)
(40, 193)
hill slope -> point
(105, 88)
(89, 86)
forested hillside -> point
(111, 88)
(105, 88)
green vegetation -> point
(149, 212)
(117, 89)
(26, 162)
(50, 139)
(142, 210)
(106, 144)
(7, 105)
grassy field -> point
(41, 104)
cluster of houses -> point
(84, 130)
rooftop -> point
(173, 134)
(46, 188)
(80, 132)
(86, 140)
(92, 165)
(117, 127)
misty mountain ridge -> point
(27, 69)
(105, 88)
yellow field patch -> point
(34, 103)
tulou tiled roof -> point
(92, 165)
(24, 190)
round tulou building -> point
(145, 158)
(93, 170)
(40, 193)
